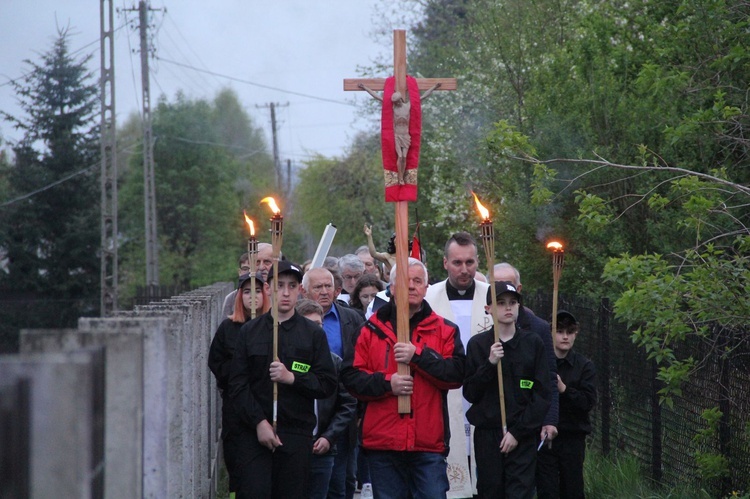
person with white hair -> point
(351, 269)
(406, 452)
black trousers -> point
(559, 470)
(500, 475)
(262, 474)
(230, 427)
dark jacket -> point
(525, 381)
(437, 366)
(528, 321)
(350, 320)
(579, 375)
(219, 360)
(303, 348)
(336, 412)
(221, 352)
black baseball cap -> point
(246, 277)
(286, 267)
(500, 288)
(563, 316)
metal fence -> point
(629, 418)
(155, 293)
(30, 311)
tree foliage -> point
(210, 164)
(347, 192)
(620, 127)
(49, 226)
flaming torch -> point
(277, 232)
(252, 255)
(558, 255)
(488, 239)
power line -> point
(132, 67)
(50, 186)
(186, 43)
(209, 143)
(64, 179)
(10, 80)
(259, 85)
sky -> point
(294, 53)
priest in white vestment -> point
(460, 299)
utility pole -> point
(276, 159)
(149, 183)
(108, 175)
(152, 248)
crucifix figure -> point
(401, 118)
(400, 137)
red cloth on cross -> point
(408, 191)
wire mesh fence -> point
(675, 445)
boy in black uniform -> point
(559, 472)
(506, 462)
(277, 464)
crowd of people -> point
(311, 400)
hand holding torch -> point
(277, 232)
(488, 239)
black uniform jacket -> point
(528, 321)
(525, 381)
(222, 351)
(303, 349)
(579, 375)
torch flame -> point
(484, 212)
(271, 204)
(249, 223)
(555, 246)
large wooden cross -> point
(402, 207)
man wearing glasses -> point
(351, 269)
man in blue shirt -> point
(341, 324)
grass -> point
(621, 477)
(617, 477)
(222, 488)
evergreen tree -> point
(49, 226)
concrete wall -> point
(161, 408)
(64, 424)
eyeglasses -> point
(351, 277)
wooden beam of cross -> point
(401, 207)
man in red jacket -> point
(406, 452)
